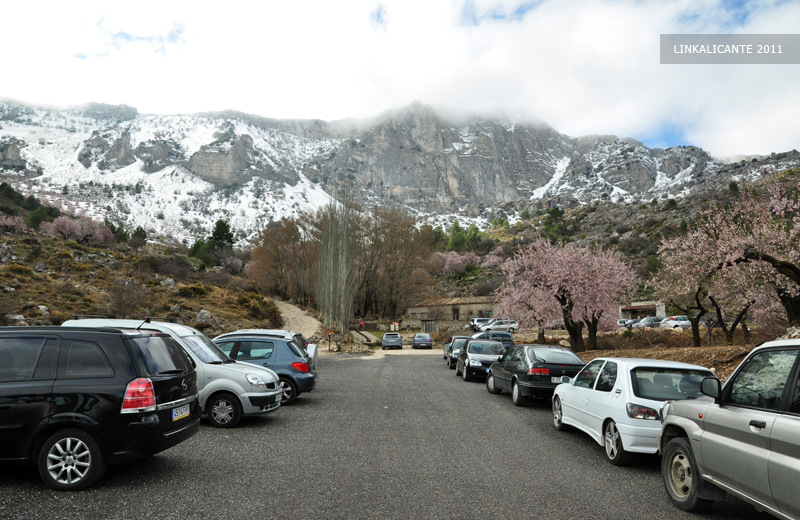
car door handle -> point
(758, 424)
(31, 399)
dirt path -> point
(295, 319)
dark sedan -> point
(532, 371)
(451, 349)
(476, 356)
(422, 340)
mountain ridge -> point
(175, 175)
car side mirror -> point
(710, 387)
(566, 379)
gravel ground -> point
(392, 435)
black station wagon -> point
(74, 400)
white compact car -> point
(617, 400)
(228, 390)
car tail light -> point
(636, 411)
(302, 367)
(539, 371)
(140, 396)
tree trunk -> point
(591, 330)
(540, 339)
(574, 328)
(729, 331)
(695, 321)
(792, 306)
(746, 332)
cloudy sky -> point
(582, 66)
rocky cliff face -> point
(253, 169)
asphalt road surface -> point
(382, 436)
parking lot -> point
(392, 435)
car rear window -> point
(159, 355)
(298, 351)
(546, 355)
(661, 384)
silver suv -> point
(744, 441)
(228, 390)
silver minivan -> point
(741, 439)
(228, 390)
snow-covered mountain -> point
(176, 175)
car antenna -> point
(162, 318)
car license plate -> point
(555, 379)
(180, 412)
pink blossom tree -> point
(84, 231)
(735, 254)
(585, 286)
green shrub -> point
(190, 291)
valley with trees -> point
(727, 259)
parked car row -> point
(740, 438)
(101, 391)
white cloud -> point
(587, 66)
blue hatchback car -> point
(284, 356)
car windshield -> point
(423, 337)
(486, 347)
(458, 343)
(555, 356)
(204, 349)
(662, 384)
(391, 336)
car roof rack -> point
(79, 316)
(169, 319)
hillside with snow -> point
(176, 175)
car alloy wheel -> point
(224, 411)
(289, 391)
(70, 460)
(612, 441)
(465, 373)
(490, 386)
(679, 471)
(558, 415)
(516, 396)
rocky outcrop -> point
(157, 155)
(10, 157)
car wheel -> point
(450, 364)
(224, 411)
(458, 372)
(465, 374)
(681, 478)
(289, 391)
(558, 416)
(490, 384)
(70, 460)
(615, 451)
(516, 397)
(511, 330)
